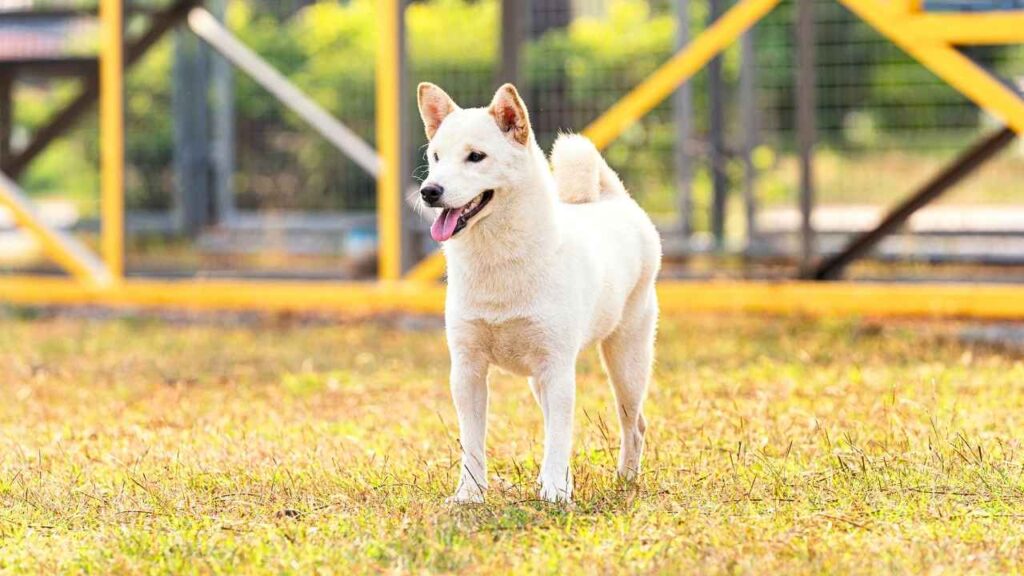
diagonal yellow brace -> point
(651, 92)
(430, 269)
(67, 252)
(677, 70)
(945, 62)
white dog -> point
(540, 265)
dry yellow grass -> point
(776, 446)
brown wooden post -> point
(513, 32)
(682, 112)
(806, 121)
(749, 118)
(716, 137)
(6, 115)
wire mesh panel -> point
(574, 73)
(885, 126)
(454, 44)
(265, 182)
(327, 50)
(254, 189)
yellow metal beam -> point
(369, 297)
(652, 91)
(838, 299)
(828, 299)
(68, 253)
(389, 197)
(945, 62)
(966, 29)
(677, 70)
(112, 135)
(913, 5)
(430, 269)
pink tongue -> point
(444, 226)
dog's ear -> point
(435, 105)
(510, 114)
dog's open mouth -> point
(452, 220)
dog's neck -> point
(523, 231)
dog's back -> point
(599, 216)
(608, 242)
(581, 174)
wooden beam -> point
(69, 116)
(66, 66)
(962, 167)
(6, 114)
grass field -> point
(776, 446)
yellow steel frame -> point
(650, 92)
(389, 183)
(927, 37)
(935, 51)
(810, 298)
(112, 135)
(64, 250)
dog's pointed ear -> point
(510, 114)
(435, 105)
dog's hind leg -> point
(628, 355)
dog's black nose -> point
(431, 193)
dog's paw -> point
(556, 491)
(467, 494)
(627, 475)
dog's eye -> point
(435, 157)
(475, 157)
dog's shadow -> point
(515, 506)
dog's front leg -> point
(557, 393)
(469, 391)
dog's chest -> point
(517, 345)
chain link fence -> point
(885, 123)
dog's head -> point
(473, 155)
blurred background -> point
(224, 181)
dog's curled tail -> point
(581, 174)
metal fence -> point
(218, 167)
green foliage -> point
(642, 41)
(150, 132)
(328, 49)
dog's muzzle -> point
(431, 194)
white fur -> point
(581, 174)
(533, 280)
